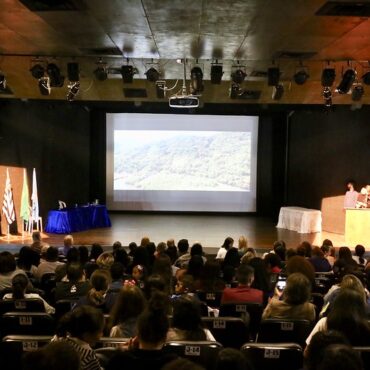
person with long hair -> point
(348, 316)
(227, 244)
(129, 305)
(19, 286)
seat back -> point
(13, 348)
(27, 323)
(229, 331)
(275, 331)
(19, 305)
(202, 352)
(365, 355)
(104, 354)
(282, 356)
(104, 342)
(212, 299)
(63, 306)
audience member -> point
(279, 248)
(184, 254)
(19, 286)
(244, 292)
(210, 278)
(197, 250)
(67, 244)
(116, 273)
(340, 357)
(345, 264)
(160, 249)
(153, 285)
(261, 278)
(121, 256)
(139, 274)
(329, 251)
(273, 263)
(50, 264)
(359, 255)
(195, 269)
(318, 261)
(8, 269)
(82, 328)
(242, 245)
(144, 241)
(95, 251)
(295, 303)
(307, 248)
(129, 305)
(105, 261)
(162, 267)
(83, 252)
(228, 243)
(232, 258)
(37, 243)
(302, 265)
(28, 260)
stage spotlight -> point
(44, 85)
(273, 76)
(37, 71)
(348, 79)
(357, 92)
(101, 73)
(127, 73)
(216, 74)
(277, 92)
(327, 77)
(366, 78)
(327, 95)
(73, 72)
(196, 80)
(2, 81)
(152, 74)
(300, 77)
(238, 76)
(56, 79)
(73, 90)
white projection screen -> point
(172, 162)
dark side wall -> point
(55, 139)
(325, 150)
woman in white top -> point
(19, 286)
(228, 243)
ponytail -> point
(19, 285)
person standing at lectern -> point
(351, 195)
(362, 199)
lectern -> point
(357, 230)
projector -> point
(184, 101)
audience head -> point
(131, 247)
(302, 265)
(230, 358)
(19, 286)
(138, 272)
(161, 248)
(153, 322)
(196, 250)
(171, 252)
(242, 243)
(261, 278)
(280, 249)
(297, 290)
(162, 266)
(317, 252)
(345, 254)
(247, 257)
(58, 355)
(171, 243)
(272, 260)
(95, 252)
(182, 364)
(100, 281)
(184, 284)
(84, 254)
(183, 246)
(36, 236)
(320, 341)
(154, 284)
(75, 272)
(116, 245)
(195, 266)
(105, 260)
(7, 263)
(84, 322)
(121, 256)
(245, 275)
(307, 247)
(290, 253)
(52, 254)
(150, 247)
(340, 357)
(228, 243)
(360, 251)
(130, 303)
(141, 257)
(352, 282)
(144, 241)
(232, 258)
(116, 271)
(73, 255)
(68, 241)
(27, 257)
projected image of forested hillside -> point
(182, 160)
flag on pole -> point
(25, 201)
(34, 198)
(8, 204)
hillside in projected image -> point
(182, 160)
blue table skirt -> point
(82, 218)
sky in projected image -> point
(182, 160)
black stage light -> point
(196, 80)
(277, 92)
(127, 73)
(37, 71)
(301, 76)
(273, 76)
(348, 79)
(327, 77)
(44, 85)
(152, 74)
(73, 90)
(238, 76)
(216, 74)
(366, 78)
(357, 92)
(2, 81)
(101, 73)
(56, 79)
(73, 72)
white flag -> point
(8, 204)
(34, 198)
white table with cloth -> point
(302, 220)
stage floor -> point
(210, 230)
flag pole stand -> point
(8, 235)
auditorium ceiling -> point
(251, 35)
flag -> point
(8, 204)
(25, 201)
(34, 198)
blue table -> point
(81, 218)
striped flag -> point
(8, 204)
(34, 198)
(25, 201)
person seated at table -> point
(243, 292)
(67, 244)
(49, 265)
(37, 243)
(362, 199)
(350, 198)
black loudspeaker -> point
(73, 72)
(273, 76)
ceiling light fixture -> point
(327, 77)
(37, 71)
(348, 79)
(301, 76)
(196, 80)
(56, 79)
(216, 73)
(238, 76)
(277, 92)
(152, 74)
(357, 92)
